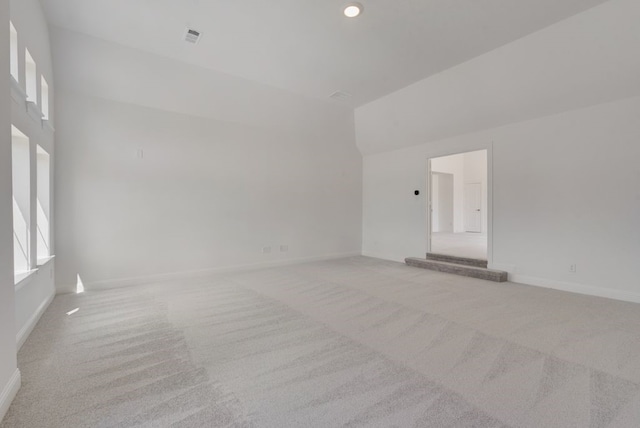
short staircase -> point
(474, 268)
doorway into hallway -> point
(458, 205)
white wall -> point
(453, 165)
(229, 167)
(582, 61)
(8, 364)
(565, 191)
(442, 206)
(552, 176)
(28, 18)
(475, 171)
(21, 305)
(34, 293)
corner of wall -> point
(9, 392)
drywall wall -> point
(28, 18)
(552, 172)
(475, 171)
(565, 192)
(453, 165)
(9, 374)
(584, 60)
(32, 297)
(442, 207)
(162, 168)
(33, 294)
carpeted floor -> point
(350, 342)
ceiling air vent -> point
(340, 95)
(192, 36)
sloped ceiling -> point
(309, 47)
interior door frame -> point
(448, 152)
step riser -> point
(468, 271)
(457, 260)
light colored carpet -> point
(350, 342)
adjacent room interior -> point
(318, 214)
(458, 205)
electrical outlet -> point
(572, 268)
(284, 248)
(266, 250)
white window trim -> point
(23, 278)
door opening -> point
(457, 215)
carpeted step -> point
(463, 270)
(457, 260)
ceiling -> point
(308, 46)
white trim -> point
(125, 282)
(28, 327)
(490, 207)
(43, 261)
(22, 278)
(9, 392)
(573, 287)
(429, 204)
(17, 93)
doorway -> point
(457, 213)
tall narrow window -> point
(21, 201)
(32, 78)
(43, 199)
(13, 58)
(44, 91)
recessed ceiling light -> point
(353, 9)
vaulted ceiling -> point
(308, 46)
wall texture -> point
(164, 168)
(565, 191)
(564, 185)
(9, 374)
(33, 294)
(453, 165)
(579, 62)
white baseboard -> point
(9, 393)
(126, 282)
(26, 330)
(572, 287)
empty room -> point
(322, 213)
